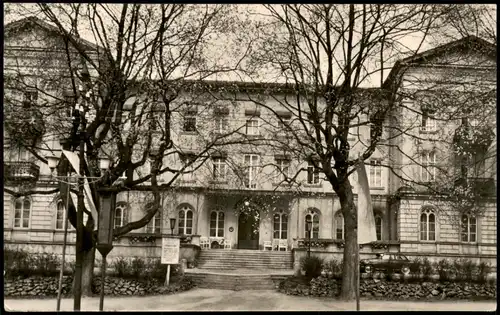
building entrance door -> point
(248, 230)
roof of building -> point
(466, 42)
(33, 20)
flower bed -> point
(388, 290)
(47, 286)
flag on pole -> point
(74, 160)
(366, 220)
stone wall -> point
(48, 286)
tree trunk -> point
(348, 288)
(87, 272)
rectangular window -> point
(427, 124)
(219, 170)
(220, 124)
(427, 166)
(282, 170)
(22, 213)
(252, 127)
(375, 173)
(154, 226)
(312, 174)
(251, 164)
(60, 215)
(189, 123)
(217, 224)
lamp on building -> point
(52, 161)
(308, 230)
(172, 225)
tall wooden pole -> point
(358, 274)
(79, 219)
(103, 278)
(61, 273)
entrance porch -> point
(239, 222)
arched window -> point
(121, 214)
(185, 221)
(22, 211)
(469, 228)
(427, 225)
(60, 214)
(154, 225)
(312, 215)
(339, 226)
(378, 226)
(217, 224)
(280, 225)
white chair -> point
(283, 244)
(268, 244)
(204, 242)
(227, 244)
(276, 244)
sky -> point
(224, 51)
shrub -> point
(467, 270)
(17, 263)
(483, 270)
(443, 268)
(312, 266)
(138, 267)
(458, 267)
(333, 267)
(464, 269)
(121, 266)
(427, 269)
(46, 265)
(24, 264)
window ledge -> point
(428, 242)
(377, 188)
(313, 185)
(428, 132)
(218, 182)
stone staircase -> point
(230, 281)
(242, 258)
(238, 269)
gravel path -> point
(222, 300)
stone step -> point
(226, 267)
(242, 255)
(261, 261)
(244, 252)
(235, 282)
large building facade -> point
(255, 207)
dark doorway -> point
(248, 230)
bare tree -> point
(138, 76)
(323, 55)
